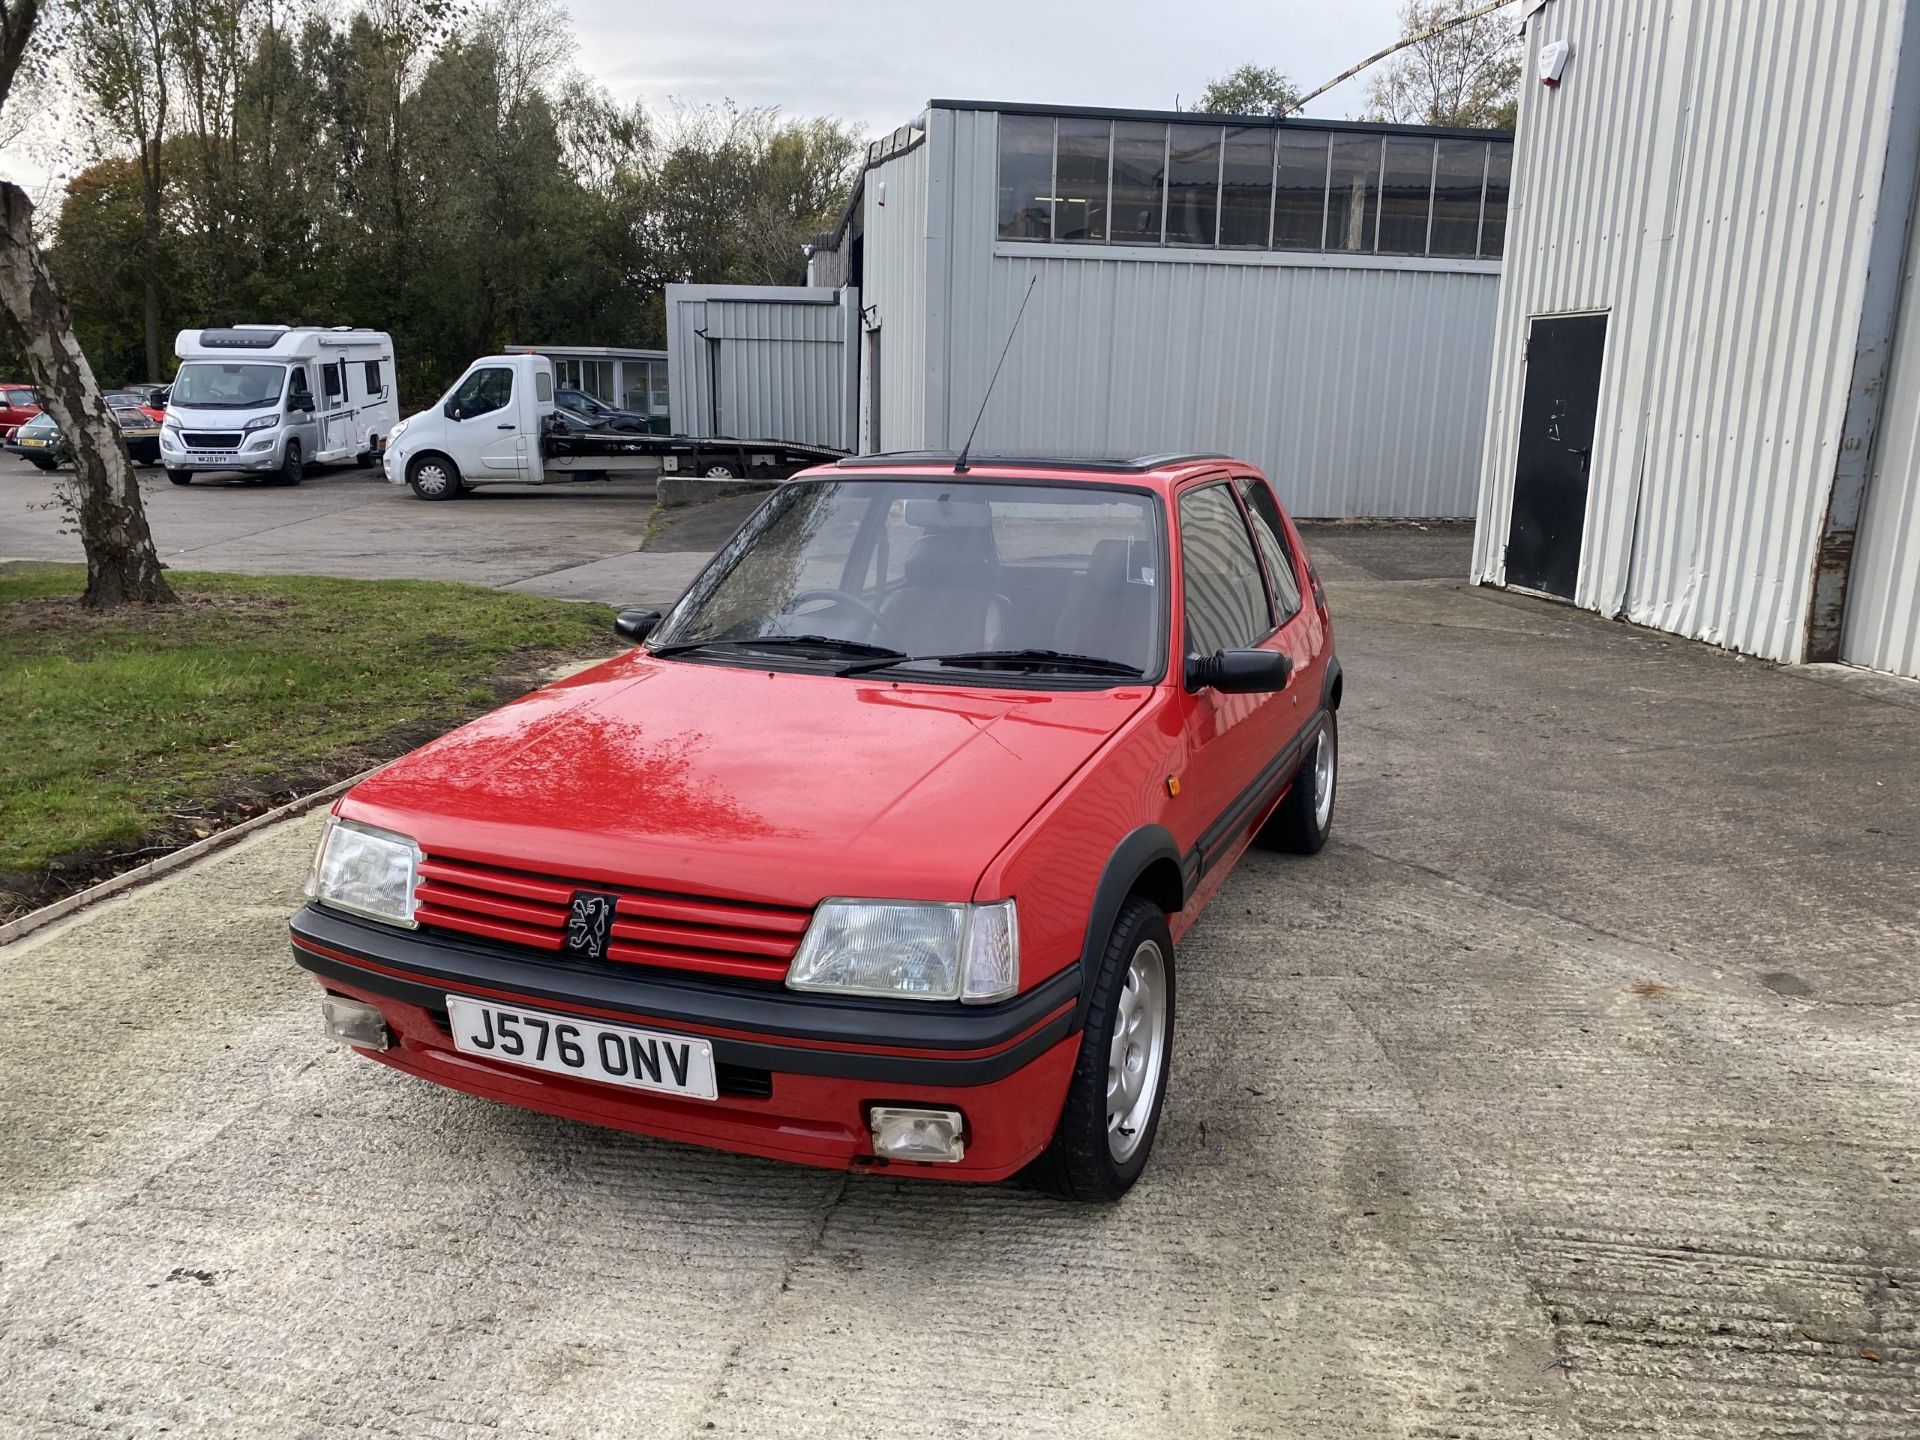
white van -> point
(273, 399)
(501, 424)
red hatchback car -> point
(876, 852)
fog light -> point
(353, 1023)
(930, 1135)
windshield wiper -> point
(883, 655)
(1029, 659)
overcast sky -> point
(878, 64)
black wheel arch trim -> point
(1136, 853)
(1331, 692)
(1014, 1032)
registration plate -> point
(586, 1049)
(35, 443)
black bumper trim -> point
(438, 967)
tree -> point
(1468, 74)
(121, 562)
(120, 57)
(1249, 90)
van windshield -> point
(214, 385)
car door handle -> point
(503, 427)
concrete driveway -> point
(577, 541)
(1573, 1091)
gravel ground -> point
(1573, 1091)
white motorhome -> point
(273, 399)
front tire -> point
(433, 477)
(40, 464)
(1112, 1114)
(1305, 818)
(179, 477)
(719, 470)
(293, 467)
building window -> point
(1080, 179)
(1406, 196)
(1459, 171)
(1139, 181)
(1353, 180)
(1246, 186)
(1288, 187)
(1026, 177)
(1193, 185)
(1300, 190)
(1493, 221)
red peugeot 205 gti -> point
(875, 853)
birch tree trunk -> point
(122, 565)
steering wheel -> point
(842, 597)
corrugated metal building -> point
(761, 362)
(1317, 296)
(1705, 407)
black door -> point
(1556, 444)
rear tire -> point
(293, 468)
(1119, 1086)
(433, 477)
(720, 470)
(40, 464)
(180, 477)
(1305, 818)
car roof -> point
(1152, 471)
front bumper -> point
(176, 456)
(797, 1071)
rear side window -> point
(333, 376)
(1226, 601)
(376, 387)
(542, 386)
(1271, 535)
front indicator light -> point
(930, 1136)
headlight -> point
(261, 422)
(367, 871)
(394, 433)
(170, 424)
(904, 947)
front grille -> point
(671, 932)
(212, 439)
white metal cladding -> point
(758, 362)
(1358, 384)
(1706, 174)
(1883, 598)
(893, 290)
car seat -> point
(1108, 614)
(948, 601)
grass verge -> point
(131, 732)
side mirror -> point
(301, 403)
(636, 625)
(450, 411)
(1240, 672)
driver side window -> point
(482, 392)
(297, 391)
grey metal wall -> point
(1358, 383)
(1883, 609)
(893, 292)
(1705, 175)
(760, 362)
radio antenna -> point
(960, 465)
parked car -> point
(875, 853)
(42, 442)
(18, 404)
(137, 398)
(39, 440)
(598, 410)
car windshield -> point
(953, 578)
(217, 385)
(21, 398)
(41, 424)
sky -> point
(877, 64)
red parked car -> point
(18, 404)
(876, 853)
